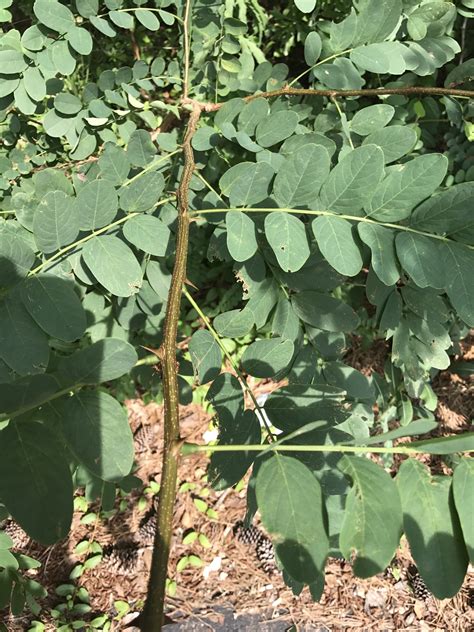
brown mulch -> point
(229, 574)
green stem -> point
(351, 218)
(85, 239)
(319, 63)
(191, 448)
(233, 364)
(343, 121)
(152, 166)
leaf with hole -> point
(286, 235)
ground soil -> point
(229, 582)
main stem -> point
(152, 617)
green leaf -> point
(372, 523)
(35, 481)
(27, 393)
(159, 277)
(312, 48)
(459, 261)
(113, 264)
(355, 383)
(377, 19)
(97, 432)
(405, 186)
(265, 358)
(371, 119)
(122, 19)
(292, 407)
(103, 361)
(81, 41)
(148, 19)
(16, 259)
(432, 528)
(228, 468)
(352, 182)
(448, 213)
(296, 142)
(67, 103)
(324, 312)
(246, 183)
(12, 62)
(23, 102)
(55, 306)
(306, 6)
(337, 244)
(103, 26)
(234, 324)
(252, 114)
(97, 204)
(381, 242)
(286, 235)
(463, 490)
(241, 239)
(54, 15)
(8, 85)
(446, 445)
(148, 233)
(142, 194)
(416, 427)
(226, 396)
(290, 502)
(55, 222)
(276, 127)
(300, 177)
(395, 141)
(114, 164)
(140, 149)
(23, 346)
(56, 125)
(206, 356)
(34, 83)
(285, 323)
(381, 57)
(422, 258)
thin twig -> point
(233, 364)
(351, 218)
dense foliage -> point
(336, 214)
